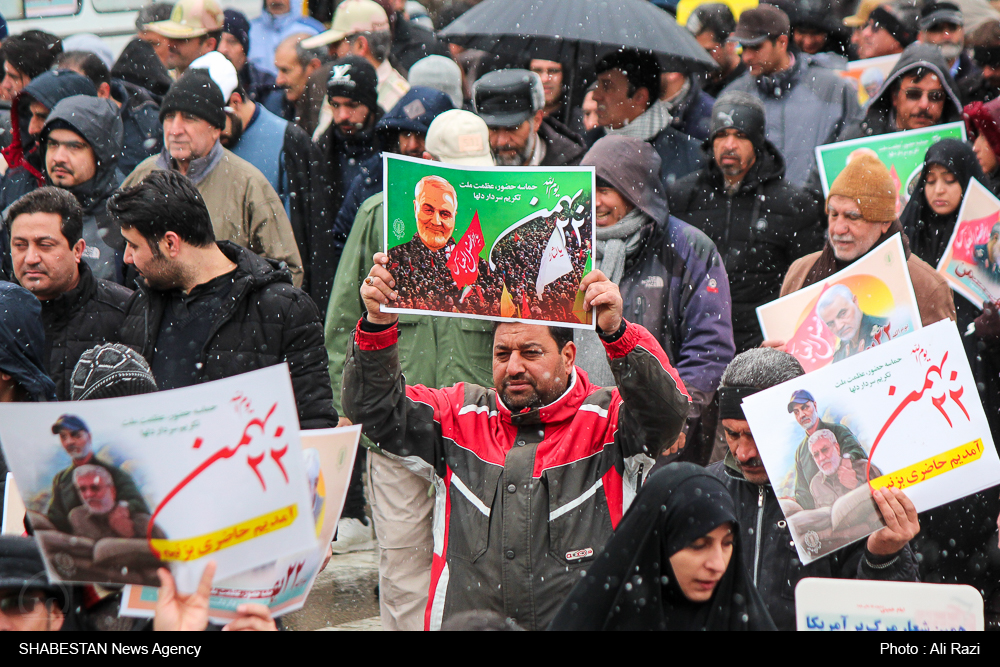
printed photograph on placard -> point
(905, 414)
(971, 262)
(869, 74)
(868, 303)
(116, 488)
(901, 152)
(498, 244)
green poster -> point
(500, 243)
(902, 152)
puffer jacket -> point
(769, 552)
(89, 314)
(879, 116)
(267, 322)
(526, 500)
(676, 286)
(760, 230)
(805, 106)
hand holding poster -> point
(857, 605)
(901, 152)
(116, 488)
(282, 585)
(905, 414)
(498, 243)
(868, 303)
(971, 262)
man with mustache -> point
(743, 201)
(942, 24)
(76, 440)
(861, 215)
(352, 91)
(767, 542)
(802, 406)
(919, 92)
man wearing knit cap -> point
(290, 162)
(244, 207)
(890, 28)
(439, 73)
(861, 214)
(806, 105)
(258, 83)
(110, 371)
(435, 352)
(351, 138)
(671, 277)
(919, 92)
(743, 202)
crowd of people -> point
(210, 201)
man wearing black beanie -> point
(759, 222)
(235, 45)
(352, 91)
(244, 207)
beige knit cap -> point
(867, 181)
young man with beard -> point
(290, 162)
(512, 102)
(535, 471)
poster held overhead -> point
(116, 488)
(905, 414)
(498, 243)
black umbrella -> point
(577, 32)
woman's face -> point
(942, 190)
(700, 565)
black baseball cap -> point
(69, 423)
(760, 23)
(940, 12)
(508, 97)
(800, 397)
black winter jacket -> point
(769, 552)
(563, 147)
(267, 321)
(759, 231)
(89, 314)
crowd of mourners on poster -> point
(568, 314)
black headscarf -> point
(929, 232)
(631, 585)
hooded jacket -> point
(139, 65)
(267, 31)
(805, 106)
(759, 230)
(140, 114)
(267, 321)
(344, 154)
(89, 314)
(880, 116)
(97, 121)
(769, 551)
(294, 167)
(22, 348)
(526, 500)
(25, 164)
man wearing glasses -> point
(918, 93)
(888, 30)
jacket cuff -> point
(380, 339)
(623, 341)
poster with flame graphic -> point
(116, 488)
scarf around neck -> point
(828, 264)
(648, 125)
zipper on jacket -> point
(760, 525)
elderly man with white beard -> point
(837, 474)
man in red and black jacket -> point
(533, 474)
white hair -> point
(90, 469)
(833, 292)
(822, 434)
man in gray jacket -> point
(806, 105)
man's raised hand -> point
(378, 289)
(603, 297)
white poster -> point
(116, 488)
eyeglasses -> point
(17, 604)
(934, 96)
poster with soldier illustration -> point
(971, 262)
(905, 414)
(866, 304)
(117, 488)
(496, 244)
